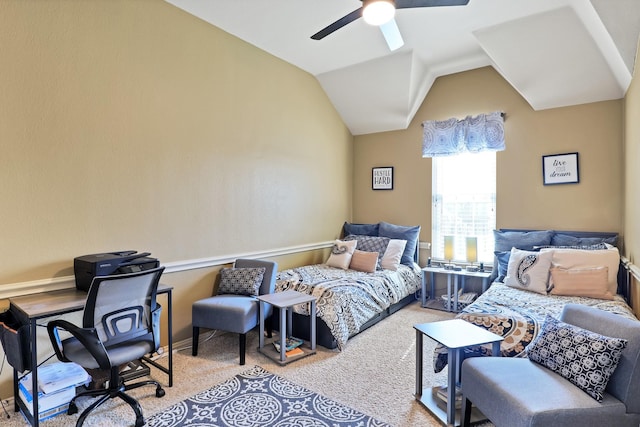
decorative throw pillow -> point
(241, 281)
(528, 270)
(560, 239)
(409, 233)
(341, 254)
(503, 263)
(596, 247)
(371, 244)
(581, 282)
(364, 261)
(360, 229)
(525, 240)
(576, 258)
(393, 255)
(585, 358)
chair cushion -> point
(240, 281)
(585, 358)
(118, 355)
(516, 392)
(232, 313)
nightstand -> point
(453, 283)
(285, 302)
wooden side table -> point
(285, 302)
(453, 283)
(456, 335)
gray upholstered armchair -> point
(235, 307)
(517, 392)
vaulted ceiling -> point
(555, 53)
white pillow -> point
(579, 259)
(393, 255)
(341, 253)
(528, 270)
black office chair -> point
(120, 324)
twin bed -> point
(517, 312)
(586, 267)
(350, 296)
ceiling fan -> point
(380, 13)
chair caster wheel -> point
(73, 409)
(160, 392)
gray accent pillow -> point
(241, 281)
(585, 358)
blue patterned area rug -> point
(258, 398)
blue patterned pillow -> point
(585, 358)
(241, 281)
(371, 244)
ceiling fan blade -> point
(405, 4)
(338, 24)
(392, 35)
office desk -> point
(55, 303)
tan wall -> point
(632, 171)
(631, 188)
(592, 130)
(133, 125)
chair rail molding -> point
(11, 290)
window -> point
(464, 203)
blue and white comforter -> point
(347, 299)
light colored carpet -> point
(374, 374)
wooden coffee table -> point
(456, 335)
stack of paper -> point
(56, 387)
(56, 376)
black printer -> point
(87, 267)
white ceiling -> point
(555, 53)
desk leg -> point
(283, 333)
(170, 337)
(485, 284)
(449, 303)
(261, 317)
(455, 291)
(495, 350)
(313, 324)
(433, 285)
(452, 355)
(419, 339)
(34, 370)
(424, 290)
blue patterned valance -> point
(484, 132)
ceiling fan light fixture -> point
(378, 12)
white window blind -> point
(464, 203)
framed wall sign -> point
(382, 178)
(560, 169)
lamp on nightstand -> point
(472, 253)
(448, 252)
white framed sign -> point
(560, 169)
(382, 178)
